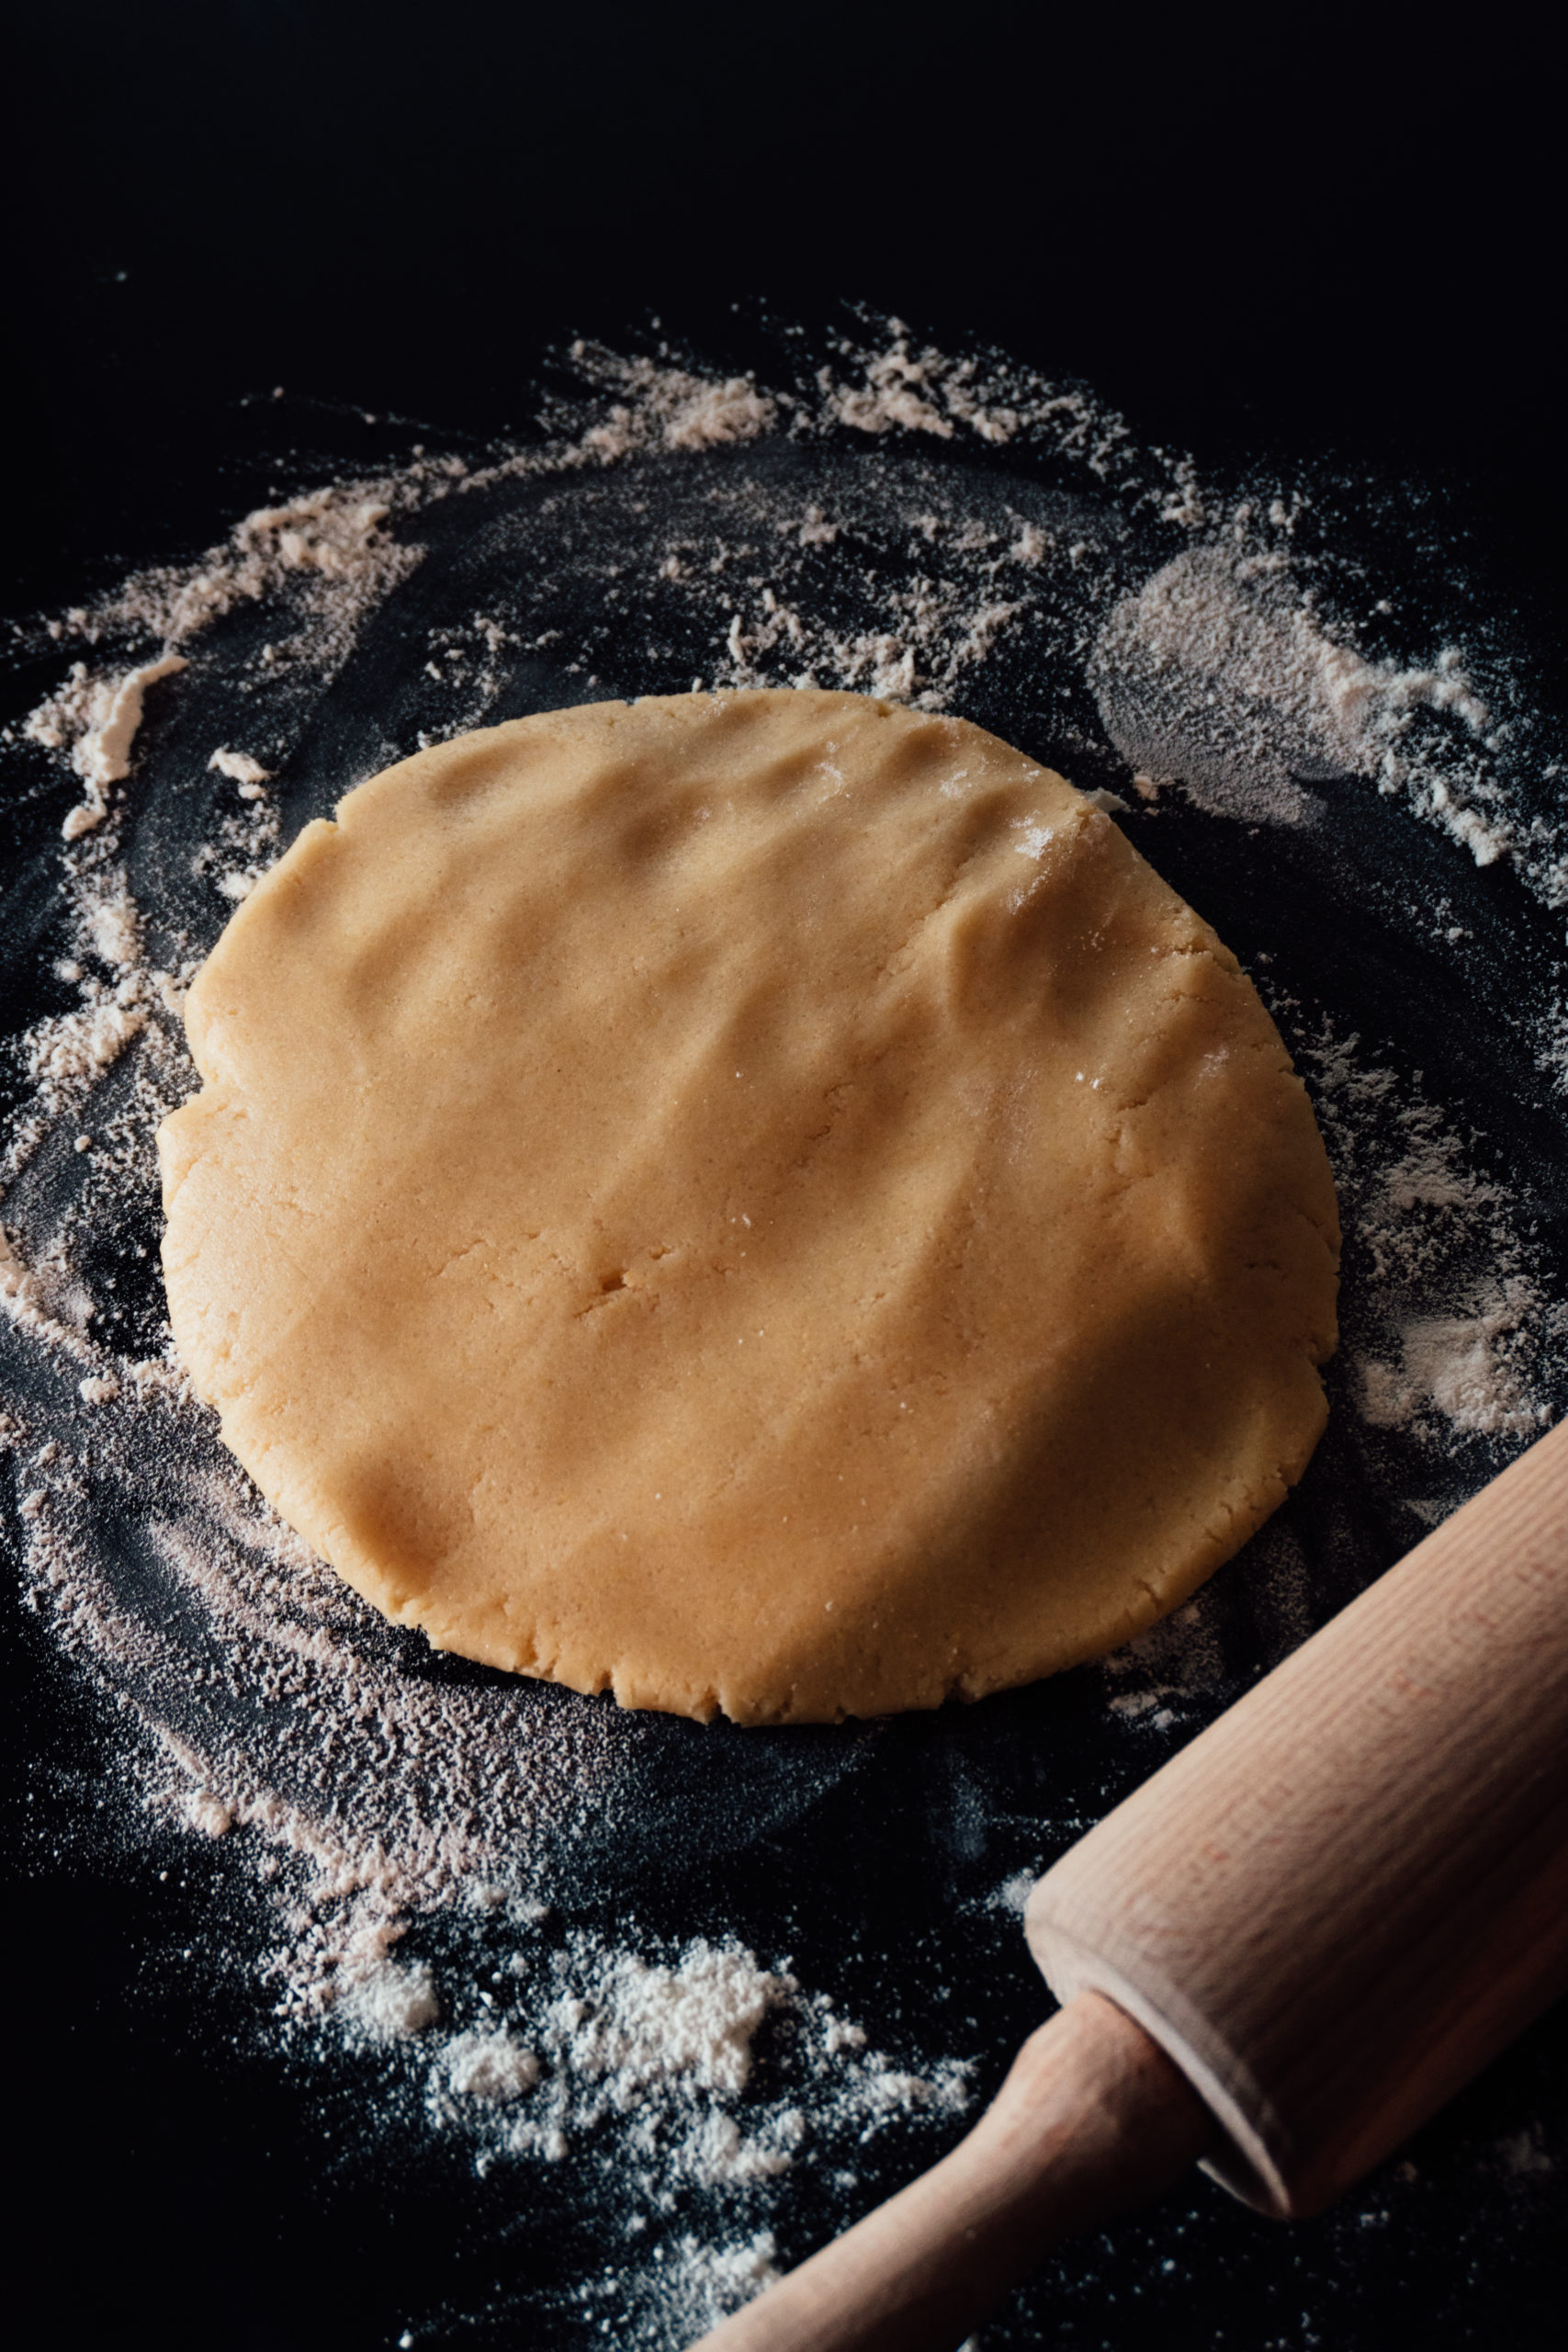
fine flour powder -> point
(1288, 717)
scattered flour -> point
(391, 2004)
(72, 1049)
(660, 2056)
(646, 2025)
(667, 408)
(493, 2066)
(1014, 1893)
(98, 718)
(710, 2282)
(324, 557)
(261, 1704)
(240, 769)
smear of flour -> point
(1467, 1368)
(1220, 674)
(1448, 1321)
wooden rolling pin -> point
(1280, 1955)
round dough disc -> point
(759, 1202)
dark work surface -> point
(184, 2197)
(1310, 243)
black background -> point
(1314, 229)
(1305, 234)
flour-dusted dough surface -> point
(761, 1202)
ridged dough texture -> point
(756, 1202)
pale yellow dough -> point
(759, 1202)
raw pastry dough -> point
(761, 1202)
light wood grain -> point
(1092, 2118)
(1347, 1894)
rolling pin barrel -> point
(1350, 1891)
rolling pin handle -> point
(1093, 2119)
